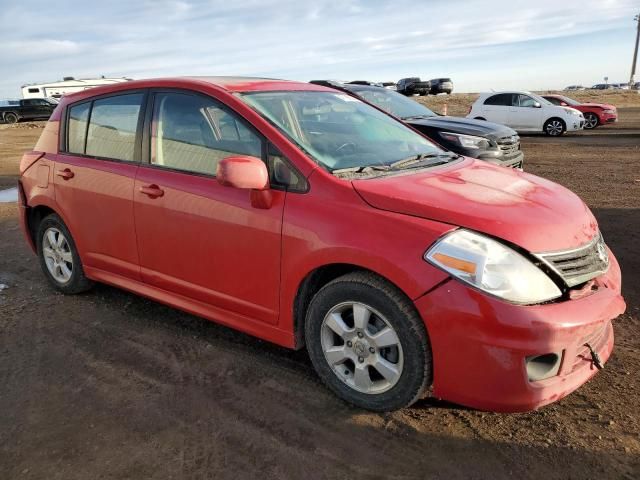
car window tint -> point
(502, 99)
(112, 127)
(193, 133)
(77, 127)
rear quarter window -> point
(113, 125)
(77, 127)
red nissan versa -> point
(304, 216)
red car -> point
(307, 217)
(594, 113)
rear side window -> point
(113, 125)
(503, 99)
(193, 133)
(77, 127)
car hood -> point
(523, 209)
(465, 126)
(605, 106)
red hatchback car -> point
(307, 217)
(595, 114)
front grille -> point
(579, 265)
(597, 339)
(510, 146)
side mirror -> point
(537, 105)
(248, 173)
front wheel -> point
(367, 343)
(554, 127)
(590, 120)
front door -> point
(196, 237)
(523, 114)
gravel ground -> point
(110, 385)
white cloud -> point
(479, 43)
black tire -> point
(399, 312)
(591, 120)
(77, 282)
(11, 117)
(554, 127)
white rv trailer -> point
(67, 85)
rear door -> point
(196, 237)
(496, 108)
(94, 179)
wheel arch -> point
(313, 282)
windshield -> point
(339, 131)
(539, 99)
(51, 100)
(569, 101)
(395, 103)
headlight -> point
(572, 111)
(492, 267)
(466, 141)
(609, 111)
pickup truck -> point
(27, 109)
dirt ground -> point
(110, 385)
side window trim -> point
(64, 137)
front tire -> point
(59, 257)
(591, 121)
(554, 127)
(367, 343)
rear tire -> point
(367, 342)
(11, 117)
(59, 257)
(591, 121)
(554, 127)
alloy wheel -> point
(555, 128)
(361, 347)
(590, 121)
(57, 255)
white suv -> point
(526, 112)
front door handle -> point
(66, 174)
(152, 191)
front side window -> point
(77, 127)
(339, 131)
(194, 133)
(526, 101)
(113, 125)
(554, 100)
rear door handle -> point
(152, 191)
(66, 174)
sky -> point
(481, 45)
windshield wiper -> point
(362, 169)
(417, 117)
(418, 160)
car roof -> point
(228, 84)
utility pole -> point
(635, 52)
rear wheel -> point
(367, 343)
(591, 120)
(59, 257)
(554, 127)
(10, 117)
